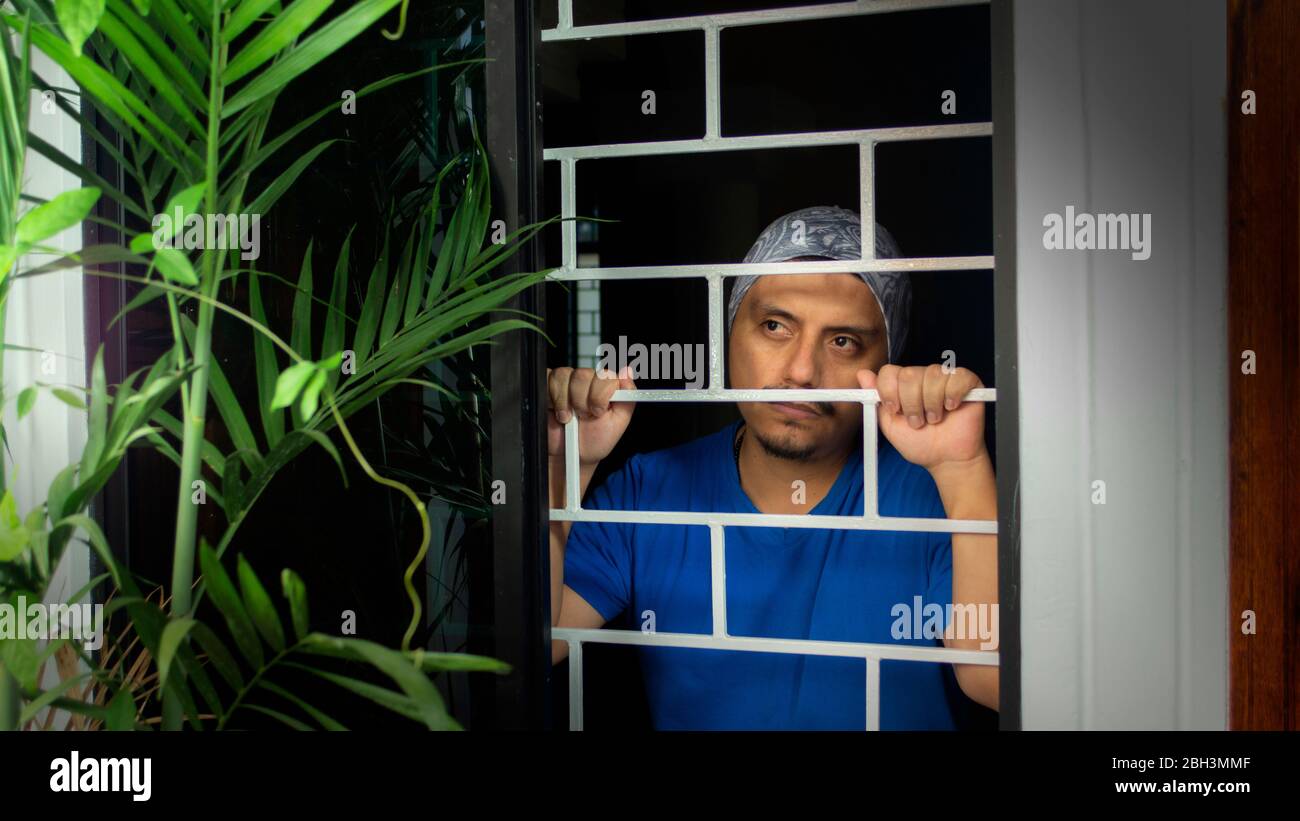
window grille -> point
(713, 274)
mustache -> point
(824, 408)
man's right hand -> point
(600, 422)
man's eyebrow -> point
(861, 330)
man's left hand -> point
(922, 413)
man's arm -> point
(969, 491)
(583, 392)
(568, 609)
(924, 415)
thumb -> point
(625, 379)
(867, 379)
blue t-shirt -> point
(832, 585)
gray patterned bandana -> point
(836, 233)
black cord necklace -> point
(736, 452)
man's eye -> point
(848, 339)
(770, 323)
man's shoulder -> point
(662, 475)
(686, 454)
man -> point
(838, 330)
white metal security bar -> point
(866, 140)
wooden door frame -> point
(1263, 307)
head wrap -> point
(836, 233)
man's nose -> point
(804, 366)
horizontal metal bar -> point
(802, 647)
(773, 395)
(754, 142)
(735, 269)
(900, 524)
(567, 31)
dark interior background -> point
(869, 71)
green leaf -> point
(78, 19)
(218, 655)
(243, 17)
(167, 223)
(180, 30)
(325, 41)
(19, 656)
(291, 383)
(175, 266)
(413, 682)
(160, 80)
(9, 511)
(279, 716)
(277, 35)
(227, 600)
(68, 398)
(26, 400)
(8, 254)
(62, 212)
(332, 339)
(259, 605)
(43, 700)
(311, 395)
(121, 711)
(281, 184)
(460, 663)
(241, 433)
(368, 324)
(398, 703)
(321, 718)
(267, 369)
(13, 541)
(97, 423)
(300, 333)
(60, 489)
(173, 634)
(296, 593)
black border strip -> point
(1002, 32)
(520, 627)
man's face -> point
(805, 331)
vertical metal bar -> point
(575, 685)
(718, 578)
(572, 481)
(715, 333)
(873, 694)
(869, 453)
(566, 14)
(568, 209)
(515, 607)
(712, 85)
(867, 191)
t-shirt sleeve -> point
(598, 555)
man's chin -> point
(789, 440)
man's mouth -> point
(796, 410)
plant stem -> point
(10, 701)
(195, 420)
(425, 532)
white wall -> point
(1120, 107)
(46, 312)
